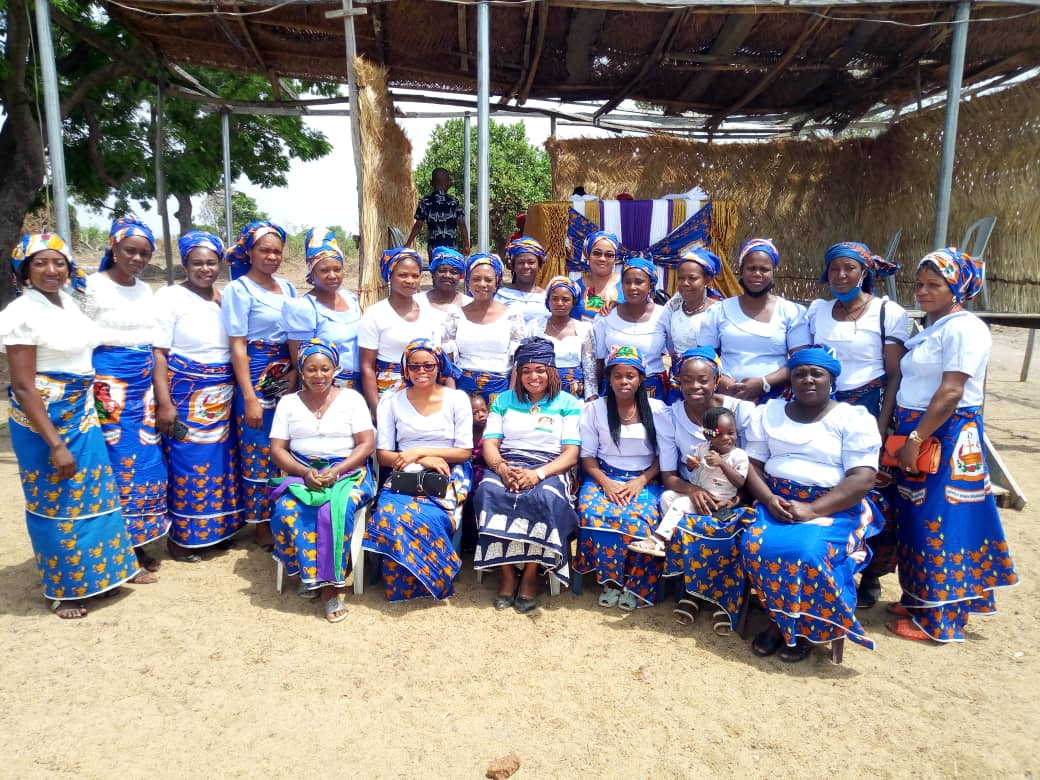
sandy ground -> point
(211, 672)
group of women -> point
(193, 412)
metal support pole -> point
(483, 126)
(467, 162)
(355, 118)
(160, 182)
(52, 111)
(552, 127)
(949, 137)
(225, 144)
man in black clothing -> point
(445, 222)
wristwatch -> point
(766, 387)
(914, 436)
(541, 475)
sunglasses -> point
(427, 367)
(601, 253)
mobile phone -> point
(180, 431)
(319, 464)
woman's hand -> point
(505, 473)
(63, 461)
(165, 417)
(748, 389)
(523, 479)
(313, 479)
(800, 511)
(780, 508)
(254, 413)
(908, 454)
(704, 503)
(629, 491)
(406, 458)
(436, 463)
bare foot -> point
(145, 578)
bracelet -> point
(541, 475)
(914, 436)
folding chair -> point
(356, 557)
(975, 241)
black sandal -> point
(766, 643)
(800, 651)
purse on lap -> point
(927, 456)
(418, 483)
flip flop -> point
(766, 643)
(792, 655)
(896, 608)
(68, 610)
(628, 601)
(609, 597)
(335, 609)
(647, 547)
(145, 578)
(685, 612)
(905, 629)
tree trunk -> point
(183, 212)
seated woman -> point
(953, 554)
(571, 338)
(72, 512)
(524, 256)
(523, 504)
(326, 311)
(704, 547)
(447, 267)
(755, 331)
(686, 309)
(421, 426)
(321, 438)
(482, 337)
(637, 322)
(618, 500)
(600, 286)
(813, 461)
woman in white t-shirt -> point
(571, 338)
(525, 257)
(447, 268)
(482, 337)
(194, 387)
(122, 305)
(755, 331)
(952, 550)
(686, 309)
(867, 333)
(321, 438)
(387, 326)
(423, 427)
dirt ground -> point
(211, 672)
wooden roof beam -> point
(734, 31)
(532, 68)
(649, 63)
(463, 39)
(812, 26)
(856, 43)
(525, 62)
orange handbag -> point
(927, 456)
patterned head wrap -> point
(535, 350)
(391, 257)
(445, 255)
(124, 227)
(962, 273)
(238, 255)
(626, 356)
(445, 368)
(765, 245)
(561, 283)
(591, 240)
(646, 266)
(525, 245)
(320, 244)
(709, 261)
(194, 239)
(816, 355)
(875, 265)
(706, 354)
(317, 347)
(484, 258)
(32, 243)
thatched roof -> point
(804, 62)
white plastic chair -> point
(554, 581)
(357, 555)
(975, 241)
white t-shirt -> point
(818, 453)
(958, 342)
(439, 314)
(712, 478)
(400, 427)
(634, 451)
(650, 337)
(684, 329)
(190, 326)
(683, 435)
(484, 346)
(330, 437)
(126, 314)
(63, 336)
(857, 345)
(540, 429)
(570, 349)
(531, 305)
(750, 348)
(382, 329)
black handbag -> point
(418, 483)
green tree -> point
(519, 172)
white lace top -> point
(63, 336)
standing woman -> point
(389, 325)
(194, 388)
(251, 307)
(523, 505)
(72, 512)
(866, 333)
(326, 311)
(571, 338)
(952, 549)
(525, 257)
(618, 500)
(122, 305)
(693, 296)
(482, 338)
(423, 425)
(636, 322)
(600, 286)
(447, 267)
(755, 331)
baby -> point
(717, 465)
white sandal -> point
(654, 547)
(335, 604)
(628, 601)
(609, 597)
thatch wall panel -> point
(808, 194)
